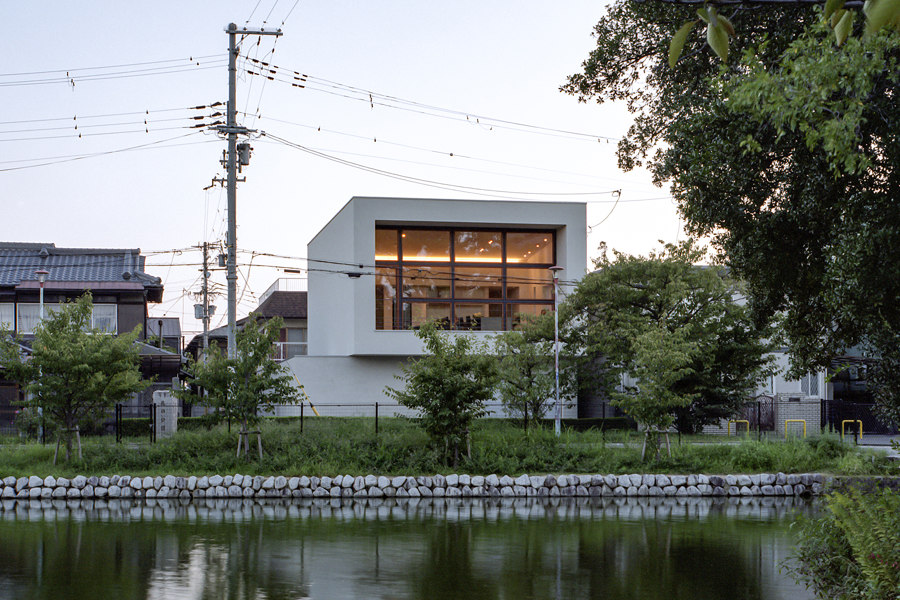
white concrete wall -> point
(330, 381)
(342, 309)
(351, 385)
(330, 298)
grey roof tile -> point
(19, 261)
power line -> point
(96, 154)
(55, 160)
(445, 153)
(73, 80)
(303, 81)
(148, 111)
(118, 66)
(493, 193)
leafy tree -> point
(629, 65)
(784, 159)
(878, 14)
(802, 198)
(526, 375)
(449, 387)
(661, 359)
(74, 373)
(613, 310)
(251, 382)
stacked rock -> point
(435, 486)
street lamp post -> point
(42, 277)
(558, 416)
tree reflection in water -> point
(431, 550)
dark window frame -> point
(449, 270)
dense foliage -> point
(784, 157)
(73, 373)
(339, 446)
(448, 387)
(240, 387)
(853, 550)
(679, 328)
(526, 375)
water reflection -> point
(434, 549)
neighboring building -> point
(284, 299)
(121, 293)
(384, 266)
(170, 338)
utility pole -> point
(232, 129)
(205, 297)
(203, 311)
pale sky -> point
(107, 67)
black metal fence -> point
(764, 416)
(8, 415)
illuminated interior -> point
(466, 279)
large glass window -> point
(425, 245)
(385, 298)
(466, 279)
(478, 282)
(532, 248)
(478, 246)
(416, 314)
(105, 317)
(529, 284)
(29, 315)
(386, 244)
(426, 282)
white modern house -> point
(384, 266)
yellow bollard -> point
(786, 421)
(844, 422)
(736, 421)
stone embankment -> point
(372, 486)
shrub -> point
(853, 550)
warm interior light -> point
(478, 259)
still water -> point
(435, 549)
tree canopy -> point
(526, 375)
(784, 158)
(448, 387)
(639, 312)
(73, 373)
(240, 387)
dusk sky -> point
(464, 97)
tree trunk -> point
(455, 453)
(69, 427)
(245, 429)
(259, 444)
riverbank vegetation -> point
(333, 446)
(851, 550)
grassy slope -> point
(332, 446)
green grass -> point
(332, 446)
